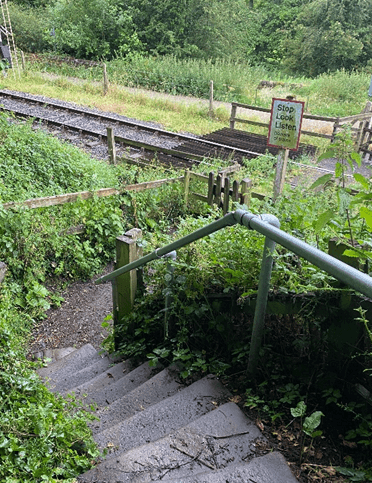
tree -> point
(329, 35)
(93, 29)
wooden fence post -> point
(246, 191)
(187, 185)
(361, 137)
(226, 195)
(235, 191)
(232, 116)
(111, 145)
(217, 196)
(336, 125)
(124, 286)
(281, 168)
(210, 188)
(105, 80)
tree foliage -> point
(303, 36)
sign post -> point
(370, 89)
(284, 133)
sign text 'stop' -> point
(285, 124)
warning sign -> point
(285, 124)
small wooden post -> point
(246, 191)
(23, 61)
(232, 116)
(235, 192)
(226, 195)
(210, 188)
(281, 168)
(217, 196)
(336, 125)
(361, 136)
(105, 80)
(111, 145)
(124, 287)
(187, 185)
(211, 99)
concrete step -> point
(73, 362)
(64, 382)
(264, 469)
(53, 354)
(98, 383)
(117, 389)
(214, 441)
(161, 386)
(164, 417)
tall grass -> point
(338, 94)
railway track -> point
(88, 129)
(90, 126)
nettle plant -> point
(351, 218)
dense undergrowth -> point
(42, 436)
(316, 359)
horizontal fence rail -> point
(336, 121)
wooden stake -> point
(281, 168)
(187, 186)
(125, 286)
(226, 196)
(210, 188)
(246, 191)
(105, 80)
(111, 145)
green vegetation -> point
(314, 350)
(42, 436)
(341, 93)
(317, 336)
(309, 37)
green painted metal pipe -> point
(352, 277)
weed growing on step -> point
(42, 436)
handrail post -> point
(124, 286)
(261, 302)
(169, 290)
(263, 288)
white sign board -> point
(370, 89)
(285, 124)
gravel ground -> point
(78, 320)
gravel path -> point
(78, 320)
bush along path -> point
(154, 428)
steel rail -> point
(112, 119)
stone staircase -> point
(156, 429)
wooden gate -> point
(364, 139)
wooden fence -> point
(221, 191)
(218, 192)
(364, 138)
(363, 118)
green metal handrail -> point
(269, 226)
